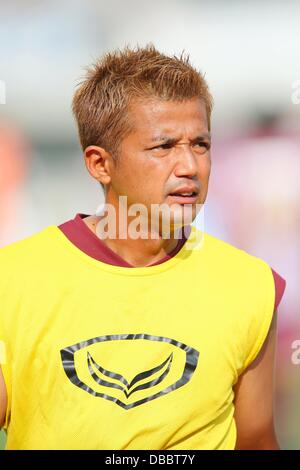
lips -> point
(185, 195)
(184, 199)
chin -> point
(179, 217)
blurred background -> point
(249, 52)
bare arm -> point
(3, 399)
(254, 399)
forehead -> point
(153, 117)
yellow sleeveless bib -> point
(107, 357)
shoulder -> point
(235, 272)
(255, 269)
(25, 252)
(232, 258)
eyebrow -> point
(171, 140)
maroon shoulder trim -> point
(88, 242)
(280, 284)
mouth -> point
(185, 198)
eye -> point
(203, 146)
(163, 146)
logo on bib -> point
(129, 369)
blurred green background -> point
(2, 439)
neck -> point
(138, 252)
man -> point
(126, 338)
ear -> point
(98, 161)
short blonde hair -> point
(101, 103)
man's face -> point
(167, 152)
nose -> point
(186, 162)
